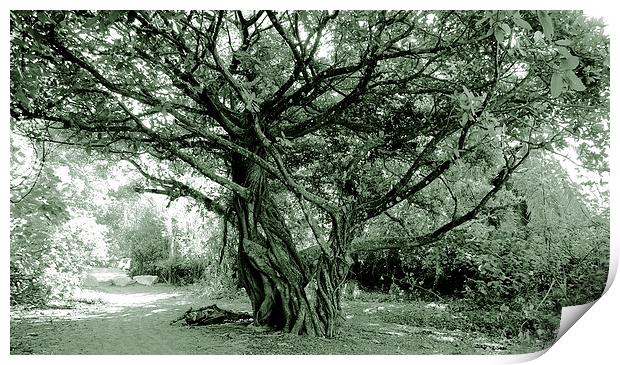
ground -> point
(137, 319)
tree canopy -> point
(345, 114)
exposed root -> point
(212, 315)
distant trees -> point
(346, 114)
(50, 246)
(71, 211)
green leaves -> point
(565, 74)
(556, 84)
(469, 103)
(464, 119)
(521, 23)
(91, 22)
(574, 81)
(504, 27)
(568, 78)
(564, 42)
(546, 22)
(567, 60)
(569, 63)
(499, 35)
(501, 30)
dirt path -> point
(131, 320)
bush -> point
(145, 237)
(27, 287)
(180, 271)
(49, 248)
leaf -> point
(546, 23)
(564, 42)
(556, 84)
(574, 81)
(485, 18)
(569, 63)
(505, 27)
(90, 22)
(464, 119)
(538, 36)
(113, 16)
(522, 23)
(21, 97)
(499, 35)
(41, 16)
(564, 51)
(469, 94)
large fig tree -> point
(345, 113)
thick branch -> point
(187, 158)
(175, 189)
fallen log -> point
(211, 315)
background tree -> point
(71, 211)
(347, 114)
(54, 231)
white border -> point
(594, 338)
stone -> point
(90, 280)
(145, 279)
(122, 280)
(105, 282)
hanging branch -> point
(36, 178)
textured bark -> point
(286, 292)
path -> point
(131, 320)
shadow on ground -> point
(136, 320)
(120, 320)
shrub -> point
(180, 271)
(147, 243)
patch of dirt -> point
(123, 320)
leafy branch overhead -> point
(192, 73)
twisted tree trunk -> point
(287, 292)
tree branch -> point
(175, 189)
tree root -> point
(212, 315)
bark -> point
(286, 291)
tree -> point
(53, 236)
(346, 114)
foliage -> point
(145, 236)
(547, 249)
(82, 213)
(41, 247)
(180, 271)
